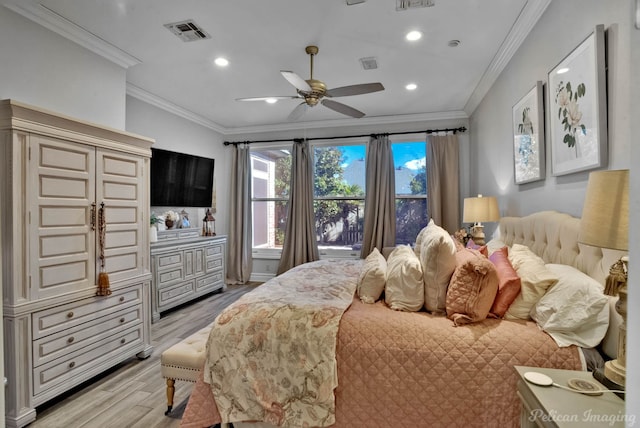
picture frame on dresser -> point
(578, 108)
(528, 136)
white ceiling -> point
(260, 38)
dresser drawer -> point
(214, 250)
(214, 264)
(170, 276)
(168, 260)
(65, 342)
(89, 310)
(211, 282)
(75, 367)
(175, 292)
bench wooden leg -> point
(170, 392)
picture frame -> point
(528, 136)
(578, 108)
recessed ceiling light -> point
(221, 62)
(453, 43)
(271, 100)
(412, 36)
(411, 87)
(562, 71)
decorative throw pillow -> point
(574, 311)
(508, 282)
(404, 290)
(472, 289)
(419, 240)
(482, 248)
(535, 279)
(438, 260)
(372, 277)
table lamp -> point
(479, 209)
(605, 224)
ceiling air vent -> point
(187, 31)
(369, 63)
(413, 4)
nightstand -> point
(549, 406)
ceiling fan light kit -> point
(313, 92)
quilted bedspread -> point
(419, 370)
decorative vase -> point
(168, 223)
(153, 234)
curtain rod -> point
(427, 131)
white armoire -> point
(57, 173)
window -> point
(409, 160)
(270, 173)
(339, 192)
(339, 189)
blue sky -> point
(403, 154)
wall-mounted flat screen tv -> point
(180, 180)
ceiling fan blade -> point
(296, 81)
(342, 108)
(299, 111)
(363, 88)
(277, 97)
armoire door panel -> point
(120, 191)
(119, 165)
(61, 191)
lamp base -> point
(600, 376)
(477, 234)
(616, 372)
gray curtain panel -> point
(300, 245)
(239, 261)
(443, 181)
(380, 200)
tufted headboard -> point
(554, 237)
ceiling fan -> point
(314, 91)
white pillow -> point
(574, 311)
(535, 279)
(438, 260)
(372, 277)
(404, 290)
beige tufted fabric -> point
(184, 361)
(554, 237)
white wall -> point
(174, 133)
(563, 26)
(41, 68)
(633, 322)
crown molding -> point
(529, 16)
(58, 24)
(166, 105)
(370, 120)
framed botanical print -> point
(528, 137)
(578, 108)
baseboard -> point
(261, 276)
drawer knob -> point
(122, 298)
(70, 315)
(122, 340)
(72, 364)
(71, 339)
(122, 319)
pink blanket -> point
(415, 369)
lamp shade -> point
(479, 209)
(605, 215)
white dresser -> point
(185, 266)
(55, 174)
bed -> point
(388, 368)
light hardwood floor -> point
(133, 393)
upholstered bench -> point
(183, 361)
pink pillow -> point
(472, 288)
(482, 248)
(508, 282)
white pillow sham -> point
(404, 290)
(575, 310)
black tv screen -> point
(180, 180)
